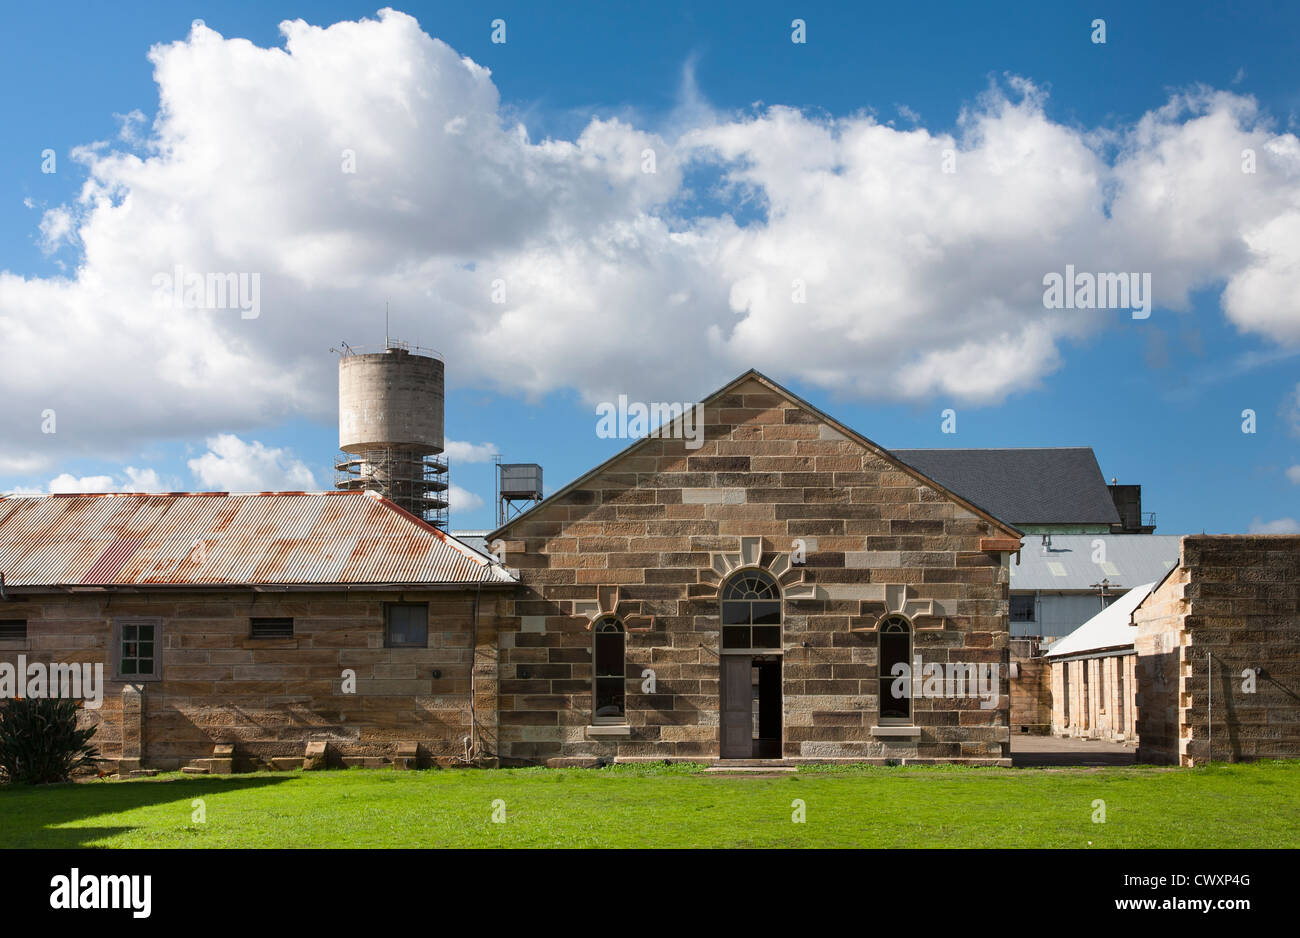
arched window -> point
(895, 648)
(751, 611)
(609, 681)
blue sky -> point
(1160, 399)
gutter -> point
(1112, 651)
(259, 587)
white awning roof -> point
(1109, 628)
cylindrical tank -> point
(390, 399)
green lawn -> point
(1218, 806)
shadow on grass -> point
(33, 816)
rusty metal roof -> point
(216, 538)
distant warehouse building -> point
(1094, 674)
(1086, 542)
(1061, 586)
(1063, 580)
(1041, 490)
(1202, 665)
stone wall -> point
(271, 696)
(1236, 598)
(652, 537)
(1096, 698)
(1031, 691)
(1159, 621)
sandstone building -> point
(750, 597)
(263, 622)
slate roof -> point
(216, 538)
(1056, 485)
(1111, 628)
(1068, 564)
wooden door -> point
(737, 695)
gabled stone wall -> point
(653, 536)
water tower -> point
(519, 487)
(390, 428)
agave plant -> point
(40, 742)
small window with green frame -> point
(137, 648)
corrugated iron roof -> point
(218, 538)
(1077, 561)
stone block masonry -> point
(271, 697)
(1235, 599)
(1031, 690)
(850, 534)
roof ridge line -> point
(781, 391)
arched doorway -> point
(751, 652)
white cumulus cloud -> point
(458, 451)
(375, 161)
(232, 465)
(462, 499)
(66, 482)
(1279, 526)
(135, 480)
